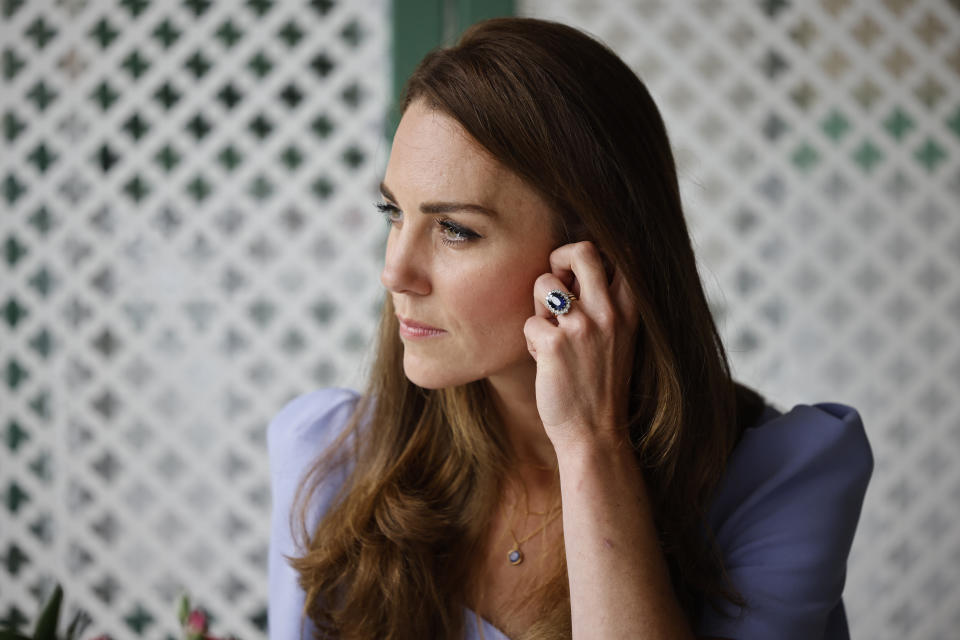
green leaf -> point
(184, 610)
(81, 620)
(10, 634)
(47, 623)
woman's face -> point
(468, 239)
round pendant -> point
(515, 556)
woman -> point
(551, 443)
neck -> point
(514, 394)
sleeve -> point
(784, 517)
(296, 436)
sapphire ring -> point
(559, 301)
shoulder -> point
(784, 517)
(302, 430)
(298, 433)
(313, 419)
(297, 436)
(805, 451)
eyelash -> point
(463, 234)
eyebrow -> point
(444, 207)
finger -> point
(543, 285)
(537, 331)
(581, 261)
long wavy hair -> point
(390, 559)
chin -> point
(433, 376)
(432, 379)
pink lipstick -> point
(413, 329)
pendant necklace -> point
(515, 555)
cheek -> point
(498, 300)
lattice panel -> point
(185, 187)
(819, 144)
(187, 241)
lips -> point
(413, 324)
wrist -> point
(610, 451)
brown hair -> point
(568, 116)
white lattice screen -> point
(819, 144)
(187, 241)
(186, 188)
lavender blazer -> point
(784, 516)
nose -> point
(404, 266)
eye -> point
(451, 233)
(388, 211)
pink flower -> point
(196, 622)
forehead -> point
(429, 140)
(434, 158)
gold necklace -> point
(515, 555)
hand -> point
(584, 357)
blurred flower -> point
(195, 623)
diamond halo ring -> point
(559, 301)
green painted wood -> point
(417, 28)
(422, 25)
(470, 11)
